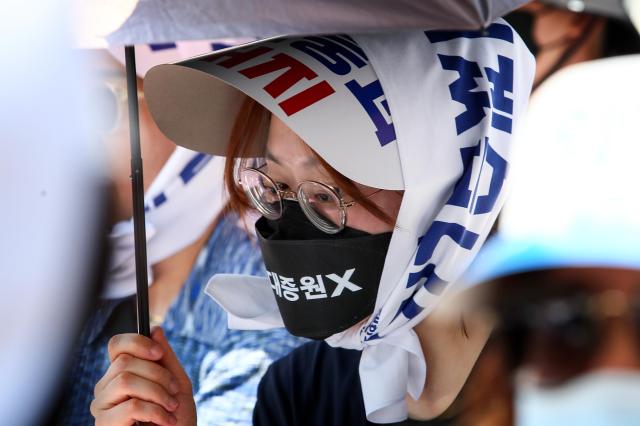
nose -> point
(289, 195)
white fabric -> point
(633, 9)
(593, 134)
(53, 181)
(180, 204)
(453, 192)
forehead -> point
(286, 148)
(282, 141)
(290, 158)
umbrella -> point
(157, 21)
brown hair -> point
(251, 124)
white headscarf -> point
(454, 106)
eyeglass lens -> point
(320, 203)
(262, 192)
(322, 206)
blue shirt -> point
(225, 366)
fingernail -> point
(172, 419)
(173, 403)
(156, 351)
(174, 387)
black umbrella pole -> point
(137, 185)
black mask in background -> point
(323, 283)
(522, 22)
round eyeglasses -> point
(322, 204)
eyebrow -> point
(310, 161)
(269, 156)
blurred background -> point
(560, 280)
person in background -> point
(190, 236)
(559, 33)
(53, 189)
(564, 32)
(561, 279)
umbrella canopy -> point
(156, 21)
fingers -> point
(136, 345)
(131, 411)
(146, 369)
(127, 385)
(144, 383)
(170, 361)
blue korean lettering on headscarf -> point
(338, 53)
(464, 90)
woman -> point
(352, 122)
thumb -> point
(169, 359)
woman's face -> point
(291, 161)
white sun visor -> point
(322, 87)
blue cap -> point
(502, 256)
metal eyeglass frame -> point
(291, 195)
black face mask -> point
(522, 22)
(323, 283)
